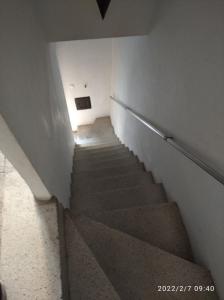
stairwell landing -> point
(124, 240)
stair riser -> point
(102, 156)
(108, 172)
(107, 164)
(97, 143)
(97, 160)
(115, 183)
(99, 150)
(125, 198)
(96, 146)
(91, 176)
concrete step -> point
(92, 165)
(136, 269)
(96, 150)
(103, 152)
(159, 225)
(100, 129)
(95, 141)
(102, 123)
(92, 186)
(99, 159)
(149, 194)
(87, 280)
(99, 145)
(92, 142)
(108, 172)
(103, 155)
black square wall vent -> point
(83, 103)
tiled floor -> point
(29, 248)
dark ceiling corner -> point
(103, 7)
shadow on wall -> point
(2, 182)
(156, 14)
(37, 116)
(55, 78)
(13, 151)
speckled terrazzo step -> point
(98, 150)
(103, 122)
(130, 197)
(108, 156)
(87, 280)
(98, 144)
(160, 225)
(79, 155)
(99, 160)
(91, 186)
(91, 165)
(108, 172)
(101, 129)
(136, 269)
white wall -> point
(174, 77)
(10, 146)
(31, 98)
(86, 62)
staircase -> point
(123, 239)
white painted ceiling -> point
(65, 20)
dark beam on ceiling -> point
(103, 7)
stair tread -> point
(95, 185)
(105, 164)
(99, 150)
(87, 279)
(122, 154)
(136, 268)
(100, 129)
(97, 145)
(97, 142)
(108, 172)
(159, 225)
(122, 198)
(99, 160)
(79, 155)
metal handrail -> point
(175, 144)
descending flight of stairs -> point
(123, 239)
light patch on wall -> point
(85, 68)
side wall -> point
(174, 77)
(31, 97)
(9, 145)
(86, 62)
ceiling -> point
(65, 20)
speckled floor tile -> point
(29, 257)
